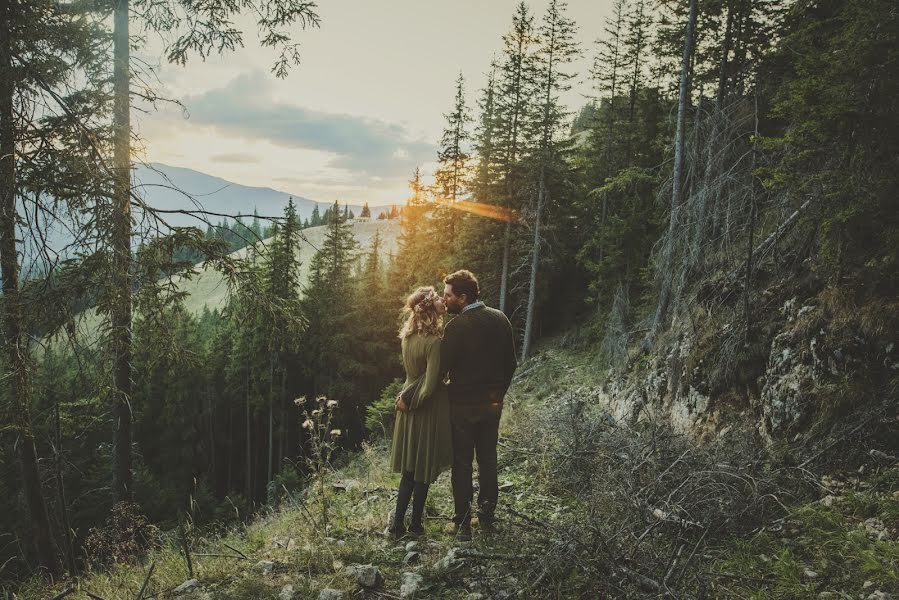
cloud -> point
(235, 157)
(243, 108)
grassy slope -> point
(828, 548)
(208, 288)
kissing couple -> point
(450, 405)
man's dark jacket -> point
(478, 351)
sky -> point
(365, 107)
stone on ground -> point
(412, 585)
(367, 576)
(186, 587)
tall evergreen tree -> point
(557, 51)
(515, 92)
(328, 305)
(449, 179)
(51, 104)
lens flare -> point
(489, 211)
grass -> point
(819, 548)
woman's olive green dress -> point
(422, 438)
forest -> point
(735, 156)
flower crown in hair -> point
(426, 303)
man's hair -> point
(464, 282)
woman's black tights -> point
(418, 493)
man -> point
(478, 352)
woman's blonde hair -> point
(423, 318)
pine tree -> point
(515, 91)
(50, 75)
(375, 334)
(557, 51)
(366, 211)
(666, 269)
(283, 326)
(452, 158)
(328, 307)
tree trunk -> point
(61, 494)
(535, 262)
(249, 482)
(271, 417)
(120, 311)
(15, 340)
(504, 278)
(667, 269)
(747, 306)
(725, 52)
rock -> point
(878, 595)
(342, 485)
(330, 594)
(868, 583)
(827, 501)
(411, 585)
(506, 486)
(186, 587)
(411, 546)
(266, 566)
(286, 593)
(809, 574)
(367, 576)
(827, 595)
(449, 562)
(875, 528)
(475, 596)
(411, 558)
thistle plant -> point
(321, 442)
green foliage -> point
(381, 414)
(836, 96)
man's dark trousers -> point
(475, 433)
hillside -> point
(590, 507)
(208, 289)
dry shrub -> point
(641, 506)
(126, 536)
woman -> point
(422, 442)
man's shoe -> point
(464, 534)
(416, 529)
(486, 523)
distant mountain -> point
(166, 187)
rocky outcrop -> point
(808, 359)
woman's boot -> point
(397, 525)
(416, 527)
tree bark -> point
(121, 308)
(668, 251)
(535, 262)
(504, 277)
(725, 52)
(15, 339)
